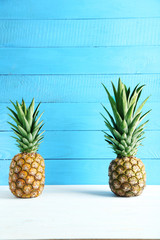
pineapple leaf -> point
(123, 125)
(36, 111)
(114, 109)
(14, 119)
(36, 122)
(134, 91)
(109, 142)
(13, 126)
(139, 91)
(141, 126)
(124, 136)
(112, 120)
(20, 113)
(134, 124)
(115, 92)
(25, 141)
(14, 114)
(127, 92)
(144, 115)
(133, 99)
(121, 146)
(15, 132)
(109, 125)
(14, 105)
(24, 107)
(22, 118)
(124, 103)
(22, 131)
(29, 137)
(141, 106)
(30, 113)
(124, 143)
(111, 139)
(15, 138)
(119, 102)
(129, 114)
(116, 134)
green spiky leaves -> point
(126, 134)
(26, 126)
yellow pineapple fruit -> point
(127, 176)
(27, 169)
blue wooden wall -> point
(59, 52)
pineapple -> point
(27, 169)
(127, 176)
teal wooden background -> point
(59, 52)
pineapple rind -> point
(27, 175)
(127, 176)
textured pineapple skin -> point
(127, 176)
(27, 175)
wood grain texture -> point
(78, 144)
(59, 52)
(80, 60)
(50, 9)
(80, 212)
(80, 33)
(86, 171)
(78, 116)
(72, 88)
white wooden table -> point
(80, 212)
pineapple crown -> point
(126, 134)
(27, 126)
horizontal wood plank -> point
(80, 60)
(81, 171)
(80, 212)
(78, 144)
(50, 9)
(72, 88)
(80, 33)
(78, 116)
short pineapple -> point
(127, 176)
(27, 169)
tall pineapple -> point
(127, 176)
(27, 169)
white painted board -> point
(83, 212)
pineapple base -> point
(27, 175)
(127, 176)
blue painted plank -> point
(61, 172)
(78, 144)
(78, 9)
(80, 60)
(72, 88)
(80, 33)
(78, 116)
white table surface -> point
(80, 212)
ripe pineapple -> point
(127, 176)
(27, 169)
